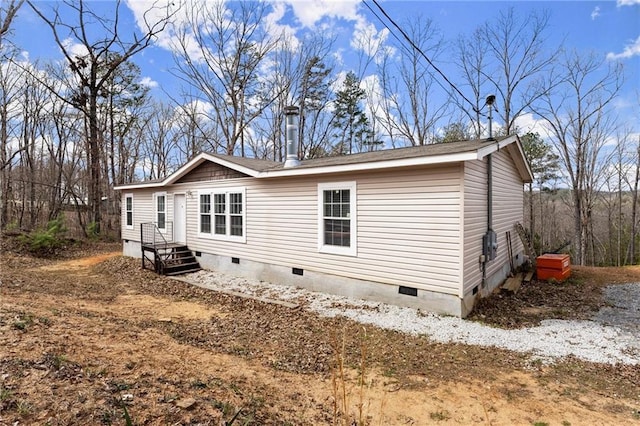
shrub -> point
(93, 231)
(46, 241)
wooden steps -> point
(173, 259)
(178, 260)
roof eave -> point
(522, 164)
(138, 185)
(376, 165)
(520, 159)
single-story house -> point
(423, 226)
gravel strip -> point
(612, 336)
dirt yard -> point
(86, 338)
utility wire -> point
(414, 46)
(401, 44)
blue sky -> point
(606, 27)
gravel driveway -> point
(611, 336)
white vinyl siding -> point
(337, 218)
(508, 204)
(128, 209)
(144, 211)
(408, 226)
(507, 210)
(221, 214)
(475, 221)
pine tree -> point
(545, 166)
(314, 96)
(351, 123)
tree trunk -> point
(6, 168)
(531, 214)
(95, 197)
(634, 209)
(578, 228)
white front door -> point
(179, 218)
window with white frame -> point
(161, 210)
(128, 208)
(236, 214)
(337, 218)
(222, 214)
(205, 213)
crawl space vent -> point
(409, 291)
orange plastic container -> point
(553, 261)
(547, 274)
(556, 266)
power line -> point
(400, 42)
(415, 47)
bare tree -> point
(102, 56)
(61, 138)
(577, 114)
(407, 86)
(161, 131)
(196, 131)
(631, 178)
(302, 74)
(283, 70)
(8, 12)
(218, 53)
(506, 55)
(11, 85)
(471, 59)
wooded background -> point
(71, 130)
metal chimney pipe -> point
(489, 101)
(291, 113)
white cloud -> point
(338, 57)
(149, 13)
(148, 82)
(627, 2)
(527, 123)
(74, 49)
(309, 12)
(198, 107)
(368, 39)
(276, 29)
(372, 87)
(595, 13)
(339, 81)
(630, 50)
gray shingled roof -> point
(250, 163)
(263, 167)
(366, 157)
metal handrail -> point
(150, 234)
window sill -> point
(228, 238)
(341, 251)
